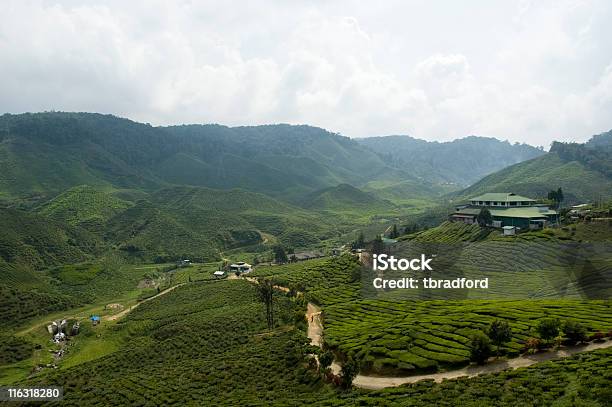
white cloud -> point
(524, 71)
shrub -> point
(326, 360)
(548, 328)
(480, 348)
(350, 368)
(500, 333)
(574, 331)
(532, 345)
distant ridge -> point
(462, 161)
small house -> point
(219, 274)
(241, 267)
(95, 319)
(509, 230)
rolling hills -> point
(44, 154)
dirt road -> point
(126, 311)
(315, 328)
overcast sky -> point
(519, 70)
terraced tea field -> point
(414, 336)
(405, 337)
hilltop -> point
(583, 171)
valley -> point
(118, 227)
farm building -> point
(219, 274)
(301, 256)
(507, 209)
(509, 230)
(240, 267)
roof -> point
(525, 212)
(508, 227)
(241, 264)
(219, 273)
(95, 318)
(502, 197)
(307, 255)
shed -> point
(95, 319)
(509, 230)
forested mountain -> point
(462, 161)
(43, 154)
(583, 171)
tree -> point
(378, 246)
(556, 196)
(484, 217)
(325, 360)
(266, 295)
(574, 331)
(280, 256)
(480, 348)
(394, 232)
(548, 328)
(360, 242)
(500, 333)
(560, 195)
(349, 371)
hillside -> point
(534, 178)
(43, 154)
(84, 206)
(346, 198)
(462, 161)
(30, 243)
(187, 222)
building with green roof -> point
(507, 209)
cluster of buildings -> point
(509, 212)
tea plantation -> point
(403, 337)
(206, 344)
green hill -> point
(346, 198)
(84, 206)
(534, 178)
(30, 243)
(200, 222)
(43, 154)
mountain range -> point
(161, 193)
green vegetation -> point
(581, 380)
(204, 342)
(480, 348)
(84, 206)
(536, 177)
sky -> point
(523, 71)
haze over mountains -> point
(46, 153)
(462, 161)
(160, 193)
